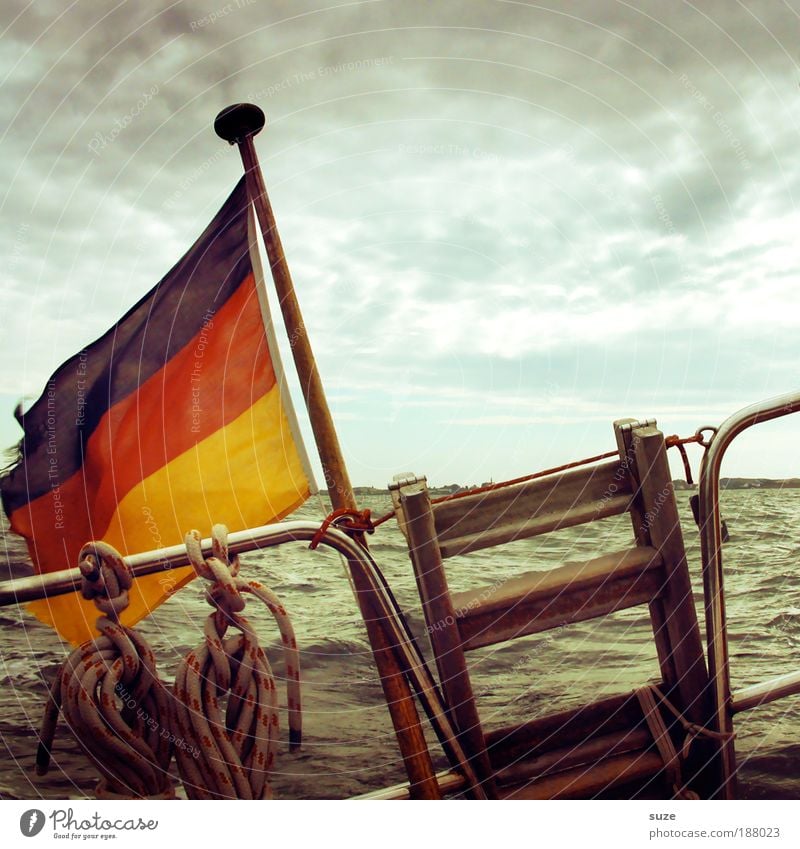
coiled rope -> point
(231, 756)
(109, 693)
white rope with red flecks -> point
(109, 693)
(231, 756)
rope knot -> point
(219, 569)
(106, 578)
(353, 522)
(226, 701)
(680, 443)
(109, 691)
(650, 698)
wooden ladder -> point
(607, 743)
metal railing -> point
(20, 590)
(726, 703)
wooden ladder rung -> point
(569, 727)
(532, 526)
(582, 782)
(485, 519)
(540, 601)
(590, 751)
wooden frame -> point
(653, 572)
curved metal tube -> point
(711, 548)
(35, 587)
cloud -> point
(469, 194)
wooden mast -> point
(238, 124)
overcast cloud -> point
(508, 224)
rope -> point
(323, 510)
(109, 693)
(354, 522)
(231, 755)
(692, 729)
(381, 519)
(678, 442)
(673, 760)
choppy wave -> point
(349, 743)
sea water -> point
(348, 743)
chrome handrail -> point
(711, 547)
(34, 587)
(20, 590)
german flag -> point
(176, 418)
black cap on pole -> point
(235, 123)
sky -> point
(508, 223)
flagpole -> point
(237, 125)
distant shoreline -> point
(680, 486)
(747, 483)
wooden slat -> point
(658, 615)
(442, 630)
(656, 522)
(528, 509)
(591, 751)
(591, 729)
(449, 782)
(569, 727)
(662, 525)
(583, 782)
(539, 601)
